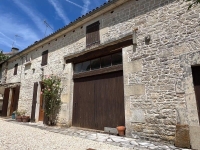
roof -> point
(94, 11)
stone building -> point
(128, 62)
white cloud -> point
(75, 4)
(85, 7)
(10, 26)
(59, 10)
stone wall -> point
(157, 74)
(158, 81)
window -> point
(15, 69)
(98, 63)
(92, 34)
(44, 58)
(106, 61)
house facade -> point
(131, 63)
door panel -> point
(41, 110)
(16, 97)
(109, 100)
(12, 102)
(5, 101)
(34, 101)
(83, 100)
(99, 101)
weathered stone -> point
(138, 115)
(182, 138)
(136, 89)
(133, 66)
(195, 137)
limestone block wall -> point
(158, 80)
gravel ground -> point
(20, 137)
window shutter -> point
(15, 69)
(92, 34)
(44, 58)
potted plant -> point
(121, 130)
(18, 116)
(24, 117)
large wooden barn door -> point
(5, 101)
(99, 101)
(196, 81)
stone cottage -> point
(128, 62)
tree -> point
(193, 2)
(3, 57)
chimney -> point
(14, 50)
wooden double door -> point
(14, 100)
(99, 101)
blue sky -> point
(22, 21)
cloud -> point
(75, 4)
(59, 11)
(34, 16)
(10, 26)
(85, 7)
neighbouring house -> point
(128, 62)
(9, 54)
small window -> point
(44, 58)
(15, 69)
(77, 68)
(117, 59)
(92, 34)
(85, 66)
(106, 61)
(95, 64)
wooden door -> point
(5, 101)
(12, 102)
(14, 99)
(34, 101)
(196, 82)
(99, 101)
(41, 109)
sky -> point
(22, 21)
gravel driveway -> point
(20, 137)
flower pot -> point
(25, 118)
(19, 118)
(121, 130)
